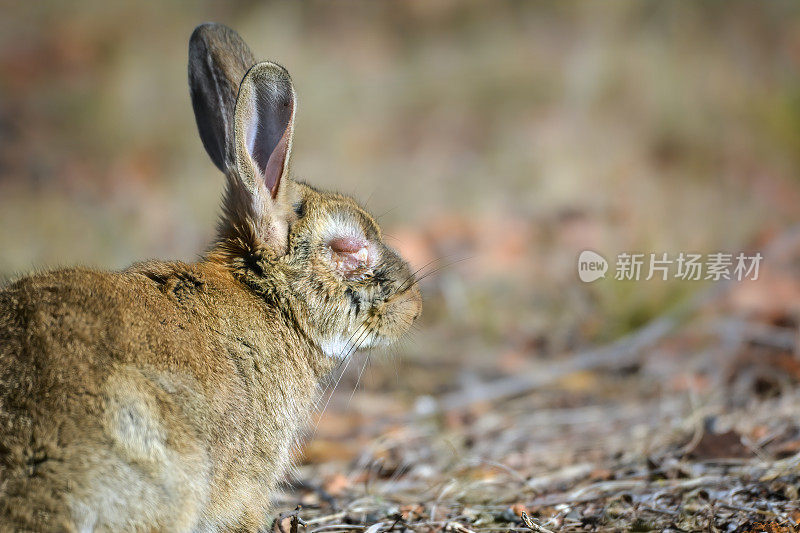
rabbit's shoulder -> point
(80, 296)
(160, 303)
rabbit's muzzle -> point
(396, 314)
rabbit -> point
(172, 396)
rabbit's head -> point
(317, 254)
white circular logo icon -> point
(591, 266)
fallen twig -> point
(533, 526)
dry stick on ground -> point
(458, 527)
(623, 352)
(339, 527)
(326, 518)
(533, 526)
(294, 521)
(374, 528)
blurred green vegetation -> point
(515, 134)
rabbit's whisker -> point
(328, 401)
(411, 276)
(343, 357)
(363, 336)
(431, 272)
(413, 279)
(361, 340)
(342, 360)
(346, 349)
(360, 373)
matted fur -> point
(171, 396)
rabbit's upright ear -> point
(263, 131)
(218, 60)
(245, 115)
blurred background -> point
(494, 139)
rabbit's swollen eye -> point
(347, 245)
(351, 257)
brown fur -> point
(171, 396)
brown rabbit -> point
(171, 396)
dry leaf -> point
(726, 445)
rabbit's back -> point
(129, 400)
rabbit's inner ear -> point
(265, 112)
(268, 137)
